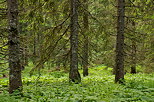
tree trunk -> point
(34, 45)
(85, 44)
(15, 82)
(133, 67)
(119, 67)
(74, 75)
(26, 55)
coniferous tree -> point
(133, 52)
(15, 81)
(74, 74)
(85, 40)
(119, 66)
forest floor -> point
(99, 86)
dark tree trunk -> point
(119, 67)
(133, 67)
(74, 75)
(26, 56)
(85, 44)
(133, 52)
(34, 45)
(34, 57)
(15, 82)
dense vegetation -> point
(97, 87)
(77, 50)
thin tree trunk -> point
(119, 68)
(15, 82)
(133, 67)
(26, 55)
(85, 46)
(74, 75)
(34, 45)
(34, 57)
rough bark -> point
(119, 67)
(74, 75)
(15, 82)
(85, 44)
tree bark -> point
(133, 67)
(119, 67)
(133, 51)
(85, 44)
(15, 82)
(74, 75)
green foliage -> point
(97, 87)
(42, 24)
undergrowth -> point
(99, 86)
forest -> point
(77, 51)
